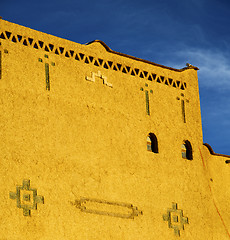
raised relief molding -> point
(107, 208)
(175, 219)
(99, 75)
(26, 197)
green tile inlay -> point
(26, 197)
(147, 102)
(47, 76)
(183, 100)
(147, 98)
(183, 110)
(175, 219)
(47, 71)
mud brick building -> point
(96, 144)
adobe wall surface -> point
(74, 162)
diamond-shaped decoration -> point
(175, 219)
(26, 197)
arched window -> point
(186, 150)
(152, 143)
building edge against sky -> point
(97, 144)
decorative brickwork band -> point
(175, 219)
(102, 207)
(110, 64)
(26, 197)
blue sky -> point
(168, 32)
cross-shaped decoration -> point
(175, 219)
(47, 71)
(147, 98)
(98, 74)
(183, 100)
(26, 197)
(1, 54)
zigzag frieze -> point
(87, 59)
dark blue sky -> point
(168, 32)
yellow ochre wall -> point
(74, 163)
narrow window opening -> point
(100, 61)
(56, 52)
(41, 44)
(2, 36)
(87, 60)
(61, 49)
(81, 55)
(186, 150)
(14, 39)
(36, 46)
(19, 37)
(71, 53)
(158, 80)
(8, 34)
(25, 42)
(141, 75)
(46, 49)
(124, 70)
(154, 76)
(128, 68)
(51, 46)
(91, 58)
(67, 54)
(152, 143)
(119, 66)
(30, 40)
(110, 63)
(132, 73)
(105, 66)
(96, 63)
(76, 57)
(150, 78)
(178, 83)
(137, 70)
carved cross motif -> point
(183, 100)
(47, 71)
(1, 54)
(147, 98)
(26, 197)
(98, 74)
(175, 219)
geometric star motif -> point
(26, 197)
(175, 219)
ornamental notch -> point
(26, 197)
